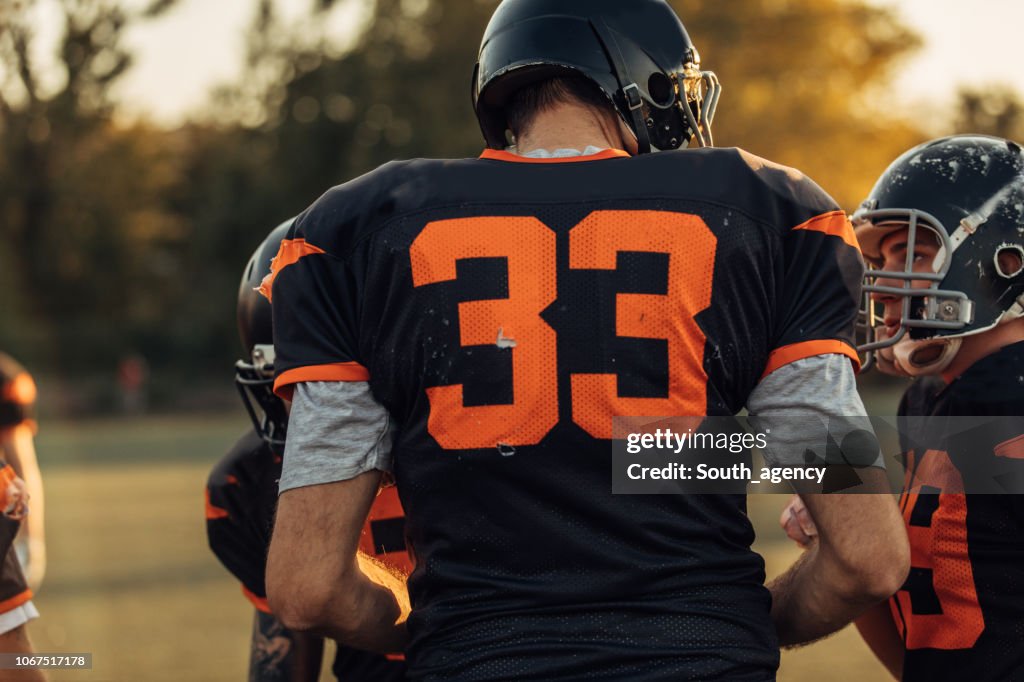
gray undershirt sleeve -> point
(336, 431)
(805, 401)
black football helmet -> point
(254, 376)
(637, 52)
(968, 190)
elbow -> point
(873, 576)
(307, 604)
(297, 601)
(899, 565)
(296, 608)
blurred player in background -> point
(17, 427)
(474, 326)
(17, 448)
(242, 496)
(944, 231)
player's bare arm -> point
(876, 625)
(860, 557)
(879, 632)
(315, 579)
(280, 655)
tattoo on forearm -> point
(271, 655)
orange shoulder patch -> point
(835, 224)
(290, 253)
(1013, 448)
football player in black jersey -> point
(944, 230)
(241, 497)
(960, 614)
(473, 326)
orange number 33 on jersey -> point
(529, 247)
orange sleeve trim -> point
(213, 513)
(259, 602)
(7, 477)
(21, 389)
(834, 224)
(15, 601)
(340, 371)
(1012, 449)
(290, 253)
(501, 155)
(780, 357)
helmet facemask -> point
(914, 351)
(255, 383)
(680, 107)
(699, 100)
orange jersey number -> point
(938, 606)
(594, 244)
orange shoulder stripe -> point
(835, 224)
(290, 253)
(339, 371)
(780, 357)
(259, 602)
(212, 512)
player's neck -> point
(574, 126)
(975, 348)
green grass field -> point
(131, 580)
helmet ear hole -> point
(1009, 260)
(660, 89)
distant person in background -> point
(132, 374)
(17, 432)
(17, 397)
(242, 497)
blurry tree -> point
(79, 198)
(991, 111)
(119, 239)
(807, 84)
(308, 113)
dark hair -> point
(527, 102)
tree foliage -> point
(806, 83)
(80, 199)
(132, 239)
(995, 111)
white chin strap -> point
(907, 354)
